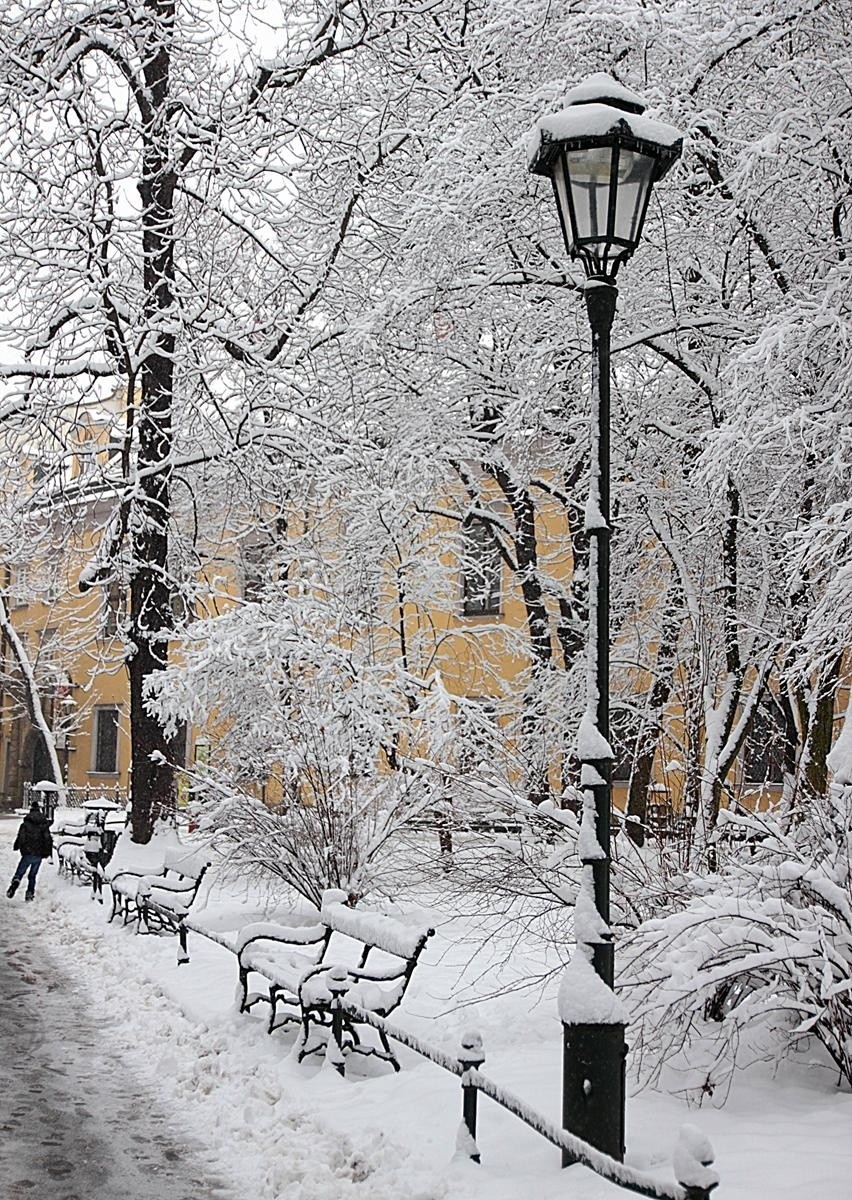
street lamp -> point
(603, 158)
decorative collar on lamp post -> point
(603, 157)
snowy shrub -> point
(340, 839)
(759, 960)
(506, 856)
(342, 741)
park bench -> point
(70, 842)
(84, 842)
(82, 851)
(160, 903)
(319, 974)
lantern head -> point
(603, 158)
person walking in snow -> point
(35, 843)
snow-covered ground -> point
(278, 1129)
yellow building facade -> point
(475, 635)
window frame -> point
(98, 713)
(767, 727)
(488, 602)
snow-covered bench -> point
(73, 842)
(320, 974)
(69, 848)
(160, 902)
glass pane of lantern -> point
(560, 186)
(589, 174)
(635, 173)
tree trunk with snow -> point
(152, 774)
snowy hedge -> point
(759, 960)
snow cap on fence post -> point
(692, 1158)
(470, 1055)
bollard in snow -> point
(183, 952)
(692, 1158)
(470, 1055)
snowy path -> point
(75, 1125)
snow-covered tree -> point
(179, 188)
(760, 958)
(325, 744)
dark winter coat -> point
(34, 835)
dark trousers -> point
(31, 863)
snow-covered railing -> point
(693, 1154)
(229, 943)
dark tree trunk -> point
(538, 623)
(152, 775)
(526, 556)
(821, 729)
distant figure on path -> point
(35, 843)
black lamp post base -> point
(593, 1087)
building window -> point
(113, 608)
(763, 756)
(257, 560)
(19, 586)
(47, 651)
(106, 741)
(481, 570)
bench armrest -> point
(266, 931)
(321, 968)
(165, 885)
(126, 871)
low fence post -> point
(471, 1055)
(693, 1158)
(183, 951)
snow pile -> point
(584, 999)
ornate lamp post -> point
(603, 158)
